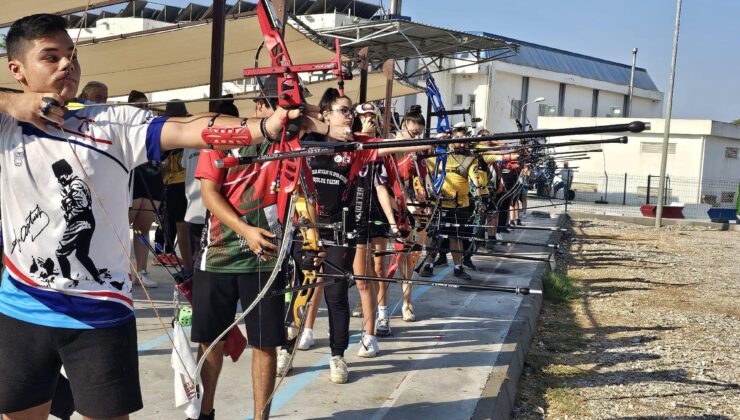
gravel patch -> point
(655, 332)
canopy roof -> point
(178, 56)
(12, 10)
(402, 39)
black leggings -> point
(336, 295)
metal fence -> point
(623, 194)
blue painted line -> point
(157, 341)
(300, 381)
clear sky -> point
(708, 70)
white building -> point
(703, 166)
(573, 85)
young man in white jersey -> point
(65, 295)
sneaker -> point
(357, 312)
(338, 368)
(382, 327)
(306, 340)
(146, 280)
(283, 362)
(503, 229)
(408, 313)
(461, 274)
(427, 271)
(292, 331)
(519, 222)
(490, 246)
(368, 347)
(441, 260)
(156, 260)
(468, 262)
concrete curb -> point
(499, 394)
(648, 221)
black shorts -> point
(367, 231)
(214, 305)
(456, 216)
(148, 183)
(176, 203)
(102, 366)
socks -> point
(382, 312)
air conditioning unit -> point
(615, 112)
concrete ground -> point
(461, 359)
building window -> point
(731, 152)
(657, 148)
(548, 110)
(516, 106)
(577, 112)
(615, 112)
(458, 99)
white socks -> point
(382, 312)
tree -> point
(736, 122)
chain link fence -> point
(623, 194)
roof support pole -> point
(668, 110)
(363, 74)
(217, 52)
(388, 72)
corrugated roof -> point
(547, 58)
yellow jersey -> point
(456, 187)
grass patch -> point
(558, 287)
(564, 401)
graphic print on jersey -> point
(76, 203)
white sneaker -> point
(146, 280)
(382, 327)
(368, 346)
(283, 362)
(357, 312)
(408, 313)
(306, 340)
(292, 331)
(338, 368)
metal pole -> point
(363, 74)
(395, 8)
(388, 72)
(669, 109)
(624, 194)
(632, 82)
(217, 51)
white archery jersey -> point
(66, 229)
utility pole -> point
(632, 82)
(668, 110)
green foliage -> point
(736, 122)
(558, 287)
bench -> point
(669, 212)
(722, 215)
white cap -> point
(366, 108)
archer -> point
(93, 323)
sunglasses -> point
(347, 112)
